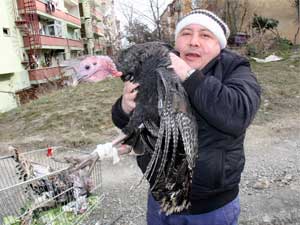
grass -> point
(80, 116)
(73, 116)
(280, 82)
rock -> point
(287, 179)
(267, 219)
(262, 183)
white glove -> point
(107, 151)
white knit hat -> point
(207, 19)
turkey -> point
(90, 68)
(162, 126)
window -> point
(77, 34)
(51, 30)
(6, 32)
(54, 29)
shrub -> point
(262, 24)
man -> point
(225, 96)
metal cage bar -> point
(38, 200)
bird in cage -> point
(47, 189)
(162, 127)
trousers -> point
(226, 215)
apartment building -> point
(169, 18)
(51, 32)
(36, 36)
(99, 26)
(112, 28)
(13, 76)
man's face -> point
(197, 45)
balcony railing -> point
(41, 7)
(43, 75)
(98, 46)
(54, 41)
(97, 14)
(72, 2)
(98, 30)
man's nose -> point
(195, 40)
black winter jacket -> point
(225, 96)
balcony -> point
(98, 47)
(97, 2)
(71, 2)
(98, 30)
(41, 8)
(97, 14)
(43, 75)
(75, 43)
(58, 42)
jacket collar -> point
(211, 64)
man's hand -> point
(129, 95)
(180, 67)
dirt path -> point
(270, 187)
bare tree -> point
(156, 12)
(235, 12)
(150, 17)
(135, 31)
(296, 5)
(138, 32)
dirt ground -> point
(80, 118)
(270, 187)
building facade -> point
(51, 34)
(169, 18)
(99, 26)
(13, 76)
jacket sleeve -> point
(119, 117)
(229, 104)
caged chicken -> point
(162, 126)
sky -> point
(141, 7)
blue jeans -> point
(226, 215)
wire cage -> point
(48, 193)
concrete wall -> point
(71, 8)
(8, 98)
(280, 10)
